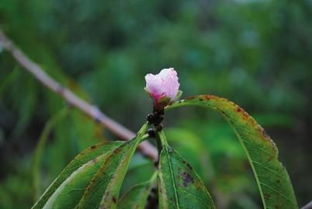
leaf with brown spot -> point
(272, 178)
(103, 190)
(179, 186)
(93, 176)
(83, 163)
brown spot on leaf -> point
(267, 196)
(245, 115)
(207, 97)
(265, 135)
(187, 164)
(187, 179)
(191, 97)
(93, 147)
(114, 199)
(116, 151)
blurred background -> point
(255, 53)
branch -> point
(145, 147)
(307, 206)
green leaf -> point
(79, 161)
(103, 190)
(93, 178)
(193, 149)
(273, 181)
(40, 149)
(136, 176)
(178, 185)
(136, 198)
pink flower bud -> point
(163, 87)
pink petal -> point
(163, 84)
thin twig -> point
(307, 206)
(145, 148)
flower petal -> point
(164, 84)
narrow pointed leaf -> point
(135, 175)
(79, 161)
(103, 190)
(273, 181)
(40, 149)
(137, 197)
(179, 186)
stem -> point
(92, 111)
(143, 129)
(163, 139)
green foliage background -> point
(256, 53)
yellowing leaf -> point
(273, 181)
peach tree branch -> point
(92, 111)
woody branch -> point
(92, 111)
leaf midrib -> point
(177, 202)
